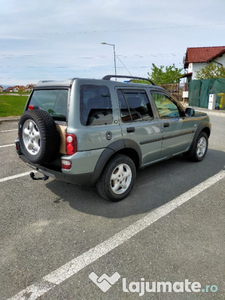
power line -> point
(124, 30)
(123, 65)
(136, 56)
(136, 29)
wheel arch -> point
(203, 127)
(125, 147)
(207, 131)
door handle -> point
(166, 124)
(130, 129)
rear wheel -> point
(117, 179)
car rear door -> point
(138, 124)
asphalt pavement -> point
(164, 241)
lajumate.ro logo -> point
(105, 282)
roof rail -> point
(108, 77)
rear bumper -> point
(82, 179)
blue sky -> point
(54, 39)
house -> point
(29, 87)
(20, 87)
(197, 58)
(1, 89)
(11, 89)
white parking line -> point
(212, 112)
(9, 130)
(69, 269)
(15, 176)
(9, 145)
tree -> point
(211, 71)
(170, 75)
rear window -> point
(52, 101)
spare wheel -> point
(39, 138)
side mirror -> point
(190, 112)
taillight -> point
(31, 107)
(66, 164)
(71, 143)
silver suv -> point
(100, 132)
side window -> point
(166, 107)
(124, 111)
(95, 105)
(134, 106)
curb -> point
(9, 119)
(214, 112)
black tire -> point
(199, 148)
(39, 138)
(123, 169)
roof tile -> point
(202, 54)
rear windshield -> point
(52, 101)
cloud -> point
(60, 39)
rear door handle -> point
(130, 129)
(166, 124)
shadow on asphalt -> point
(155, 186)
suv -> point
(100, 132)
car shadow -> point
(155, 185)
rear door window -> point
(52, 101)
(134, 106)
(95, 105)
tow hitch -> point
(32, 175)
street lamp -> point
(114, 53)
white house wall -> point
(221, 60)
(195, 67)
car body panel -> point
(148, 135)
(177, 135)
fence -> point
(199, 91)
(174, 89)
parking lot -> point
(169, 230)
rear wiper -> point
(59, 117)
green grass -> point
(12, 105)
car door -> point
(95, 111)
(138, 124)
(177, 130)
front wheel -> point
(199, 148)
(117, 179)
